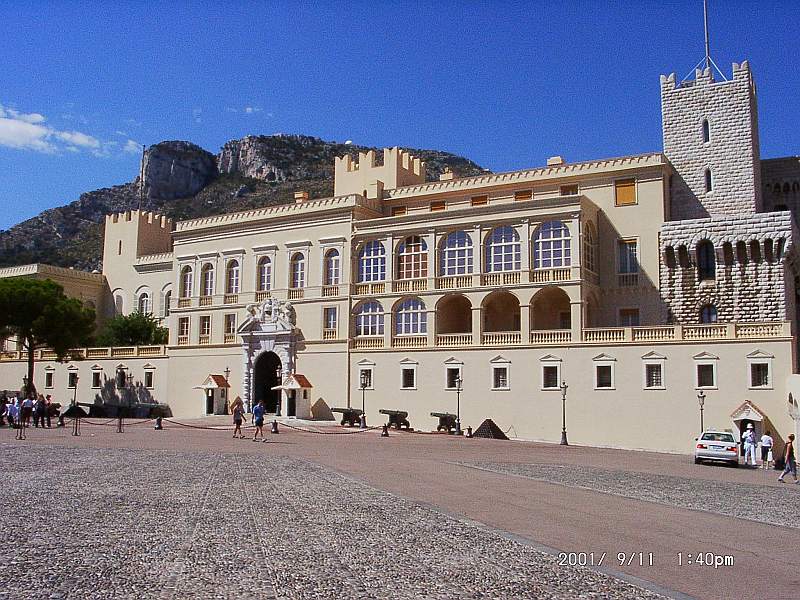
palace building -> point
(639, 281)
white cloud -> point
(132, 147)
(251, 110)
(28, 131)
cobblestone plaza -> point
(191, 513)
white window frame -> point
(366, 365)
(546, 245)
(455, 259)
(70, 374)
(706, 359)
(411, 365)
(97, 371)
(204, 319)
(456, 365)
(499, 254)
(269, 280)
(627, 241)
(654, 359)
(152, 372)
(550, 361)
(229, 318)
(331, 266)
(335, 310)
(604, 360)
(619, 315)
(372, 267)
(760, 358)
(412, 258)
(500, 363)
(49, 379)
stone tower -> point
(710, 133)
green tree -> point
(135, 329)
(39, 315)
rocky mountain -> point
(183, 181)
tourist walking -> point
(26, 410)
(788, 456)
(766, 449)
(12, 412)
(258, 419)
(238, 417)
(48, 400)
(749, 438)
(38, 411)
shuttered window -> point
(624, 192)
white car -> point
(717, 445)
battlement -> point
(368, 178)
(703, 77)
(134, 233)
(143, 217)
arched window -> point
(412, 258)
(706, 130)
(741, 253)
(708, 180)
(298, 271)
(411, 318)
(332, 267)
(372, 262)
(145, 305)
(727, 254)
(669, 257)
(551, 246)
(207, 280)
(232, 277)
(706, 261)
(456, 255)
(589, 241)
(167, 302)
(186, 282)
(264, 274)
(369, 319)
(708, 313)
(502, 250)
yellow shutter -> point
(624, 192)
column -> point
(476, 325)
(431, 326)
(576, 319)
(525, 323)
(525, 250)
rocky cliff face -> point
(176, 170)
(183, 181)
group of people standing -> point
(20, 409)
(767, 445)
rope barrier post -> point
(469, 432)
(60, 421)
(274, 428)
(120, 427)
(21, 430)
(158, 426)
(76, 426)
(385, 432)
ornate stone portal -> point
(269, 327)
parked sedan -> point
(717, 445)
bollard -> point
(275, 426)
(385, 432)
(362, 421)
(469, 432)
(158, 426)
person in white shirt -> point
(749, 438)
(766, 449)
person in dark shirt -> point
(258, 419)
(788, 455)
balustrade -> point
(263, 295)
(206, 300)
(453, 340)
(616, 334)
(368, 343)
(505, 278)
(550, 275)
(502, 338)
(410, 285)
(231, 298)
(551, 336)
(453, 282)
(410, 341)
(330, 290)
(329, 334)
(295, 293)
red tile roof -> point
(220, 381)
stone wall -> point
(752, 269)
(781, 183)
(731, 154)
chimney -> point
(300, 197)
(447, 175)
(554, 161)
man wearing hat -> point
(749, 438)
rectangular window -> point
(565, 319)
(624, 192)
(398, 211)
(759, 374)
(436, 206)
(523, 195)
(183, 330)
(653, 376)
(365, 379)
(604, 379)
(453, 375)
(408, 378)
(500, 378)
(569, 190)
(329, 317)
(230, 324)
(550, 377)
(205, 325)
(628, 256)
(629, 317)
(479, 200)
(148, 379)
(72, 380)
(96, 382)
(706, 376)
(48, 379)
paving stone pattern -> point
(776, 506)
(139, 524)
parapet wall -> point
(369, 179)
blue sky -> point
(505, 84)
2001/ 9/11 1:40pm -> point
(644, 559)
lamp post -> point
(701, 400)
(279, 373)
(75, 391)
(459, 381)
(225, 391)
(25, 385)
(363, 418)
(564, 387)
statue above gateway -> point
(273, 310)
